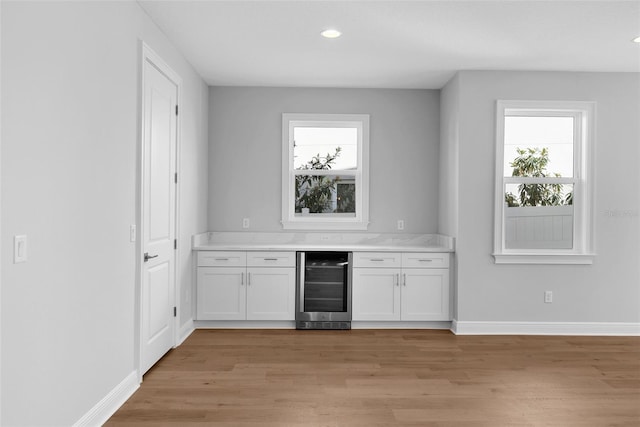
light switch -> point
(19, 248)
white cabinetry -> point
(401, 286)
(245, 285)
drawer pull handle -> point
(222, 259)
(270, 259)
(425, 260)
(376, 259)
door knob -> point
(147, 257)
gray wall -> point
(69, 138)
(608, 290)
(245, 151)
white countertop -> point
(295, 241)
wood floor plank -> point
(376, 378)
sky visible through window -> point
(553, 133)
(311, 141)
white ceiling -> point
(395, 44)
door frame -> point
(146, 54)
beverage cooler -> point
(323, 290)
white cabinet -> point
(401, 286)
(221, 293)
(376, 294)
(271, 293)
(425, 294)
(245, 285)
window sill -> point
(545, 258)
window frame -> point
(582, 251)
(326, 221)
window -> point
(325, 171)
(543, 200)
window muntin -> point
(325, 171)
(543, 180)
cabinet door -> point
(376, 294)
(221, 293)
(271, 293)
(425, 294)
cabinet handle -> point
(376, 259)
(425, 260)
(248, 279)
(241, 279)
(270, 259)
(222, 259)
(404, 279)
(398, 279)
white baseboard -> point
(545, 328)
(185, 330)
(103, 410)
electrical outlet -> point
(548, 297)
(246, 223)
(400, 224)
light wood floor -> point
(389, 377)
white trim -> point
(1, 221)
(444, 325)
(244, 324)
(185, 331)
(583, 181)
(287, 324)
(360, 221)
(544, 258)
(149, 55)
(546, 328)
(109, 404)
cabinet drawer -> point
(271, 259)
(425, 260)
(376, 259)
(222, 259)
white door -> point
(158, 212)
(221, 293)
(425, 294)
(376, 294)
(271, 293)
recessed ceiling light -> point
(637, 39)
(331, 34)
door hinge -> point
(175, 312)
(175, 177)
(176, 110)
(175, 243)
